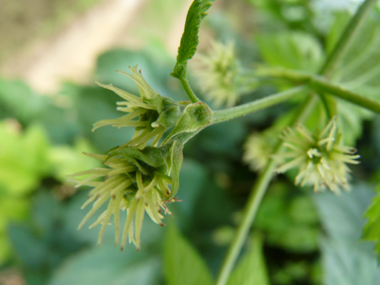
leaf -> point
(371, 231)
(19, 101)
(107, 265)
(251, 269)
(183, 265)
(293, 50)
(346, 264)
(358, 71)
(25, 160)
(342, 216)
(288, 221)
(190, 37)
(345, 259)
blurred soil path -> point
(72, 53)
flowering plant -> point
(142, 175)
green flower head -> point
(218, 73)
(319, 156)
(150, 113)
(257, 149)
(132, 180)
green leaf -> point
(293, 50)
(371, 230)
(358, 71)
(345, 259)
(25, 160)
(341, 216)
(346, 264)
(107, 265)
(183, 265)
(190, 37)
(251, 269)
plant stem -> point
(253, 204)
(322, 85)
(189, 92)
(242, 110)
(346, 38)
(338, 91)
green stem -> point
(338, 91)
(253, 204)
(346, 38)
(188, 90)
(242, 110)
(322, 85)
(250, 211)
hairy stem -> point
(242, 110)
(189, 92)
(338, 91)
(253, 204)
(323, 86)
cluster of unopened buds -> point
(137, 177)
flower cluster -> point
(137, 178)
(155, 113)
(218, 74)
(319, 156)
(257, 149)
(133, 180)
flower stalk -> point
(245, 109)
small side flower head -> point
(218, 74)
(320, 157)
(133, 180)
(257, 149)
(150, 113)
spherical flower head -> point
(257, 149)
(150, 113)
(218, 75)
(320, 157)
(133, 181)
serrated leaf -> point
(183, 265)
(190, 37)
(292, 50)
(251, 269)
(341, 216)
(346, 260)
(358, 71)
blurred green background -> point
(51, 52)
